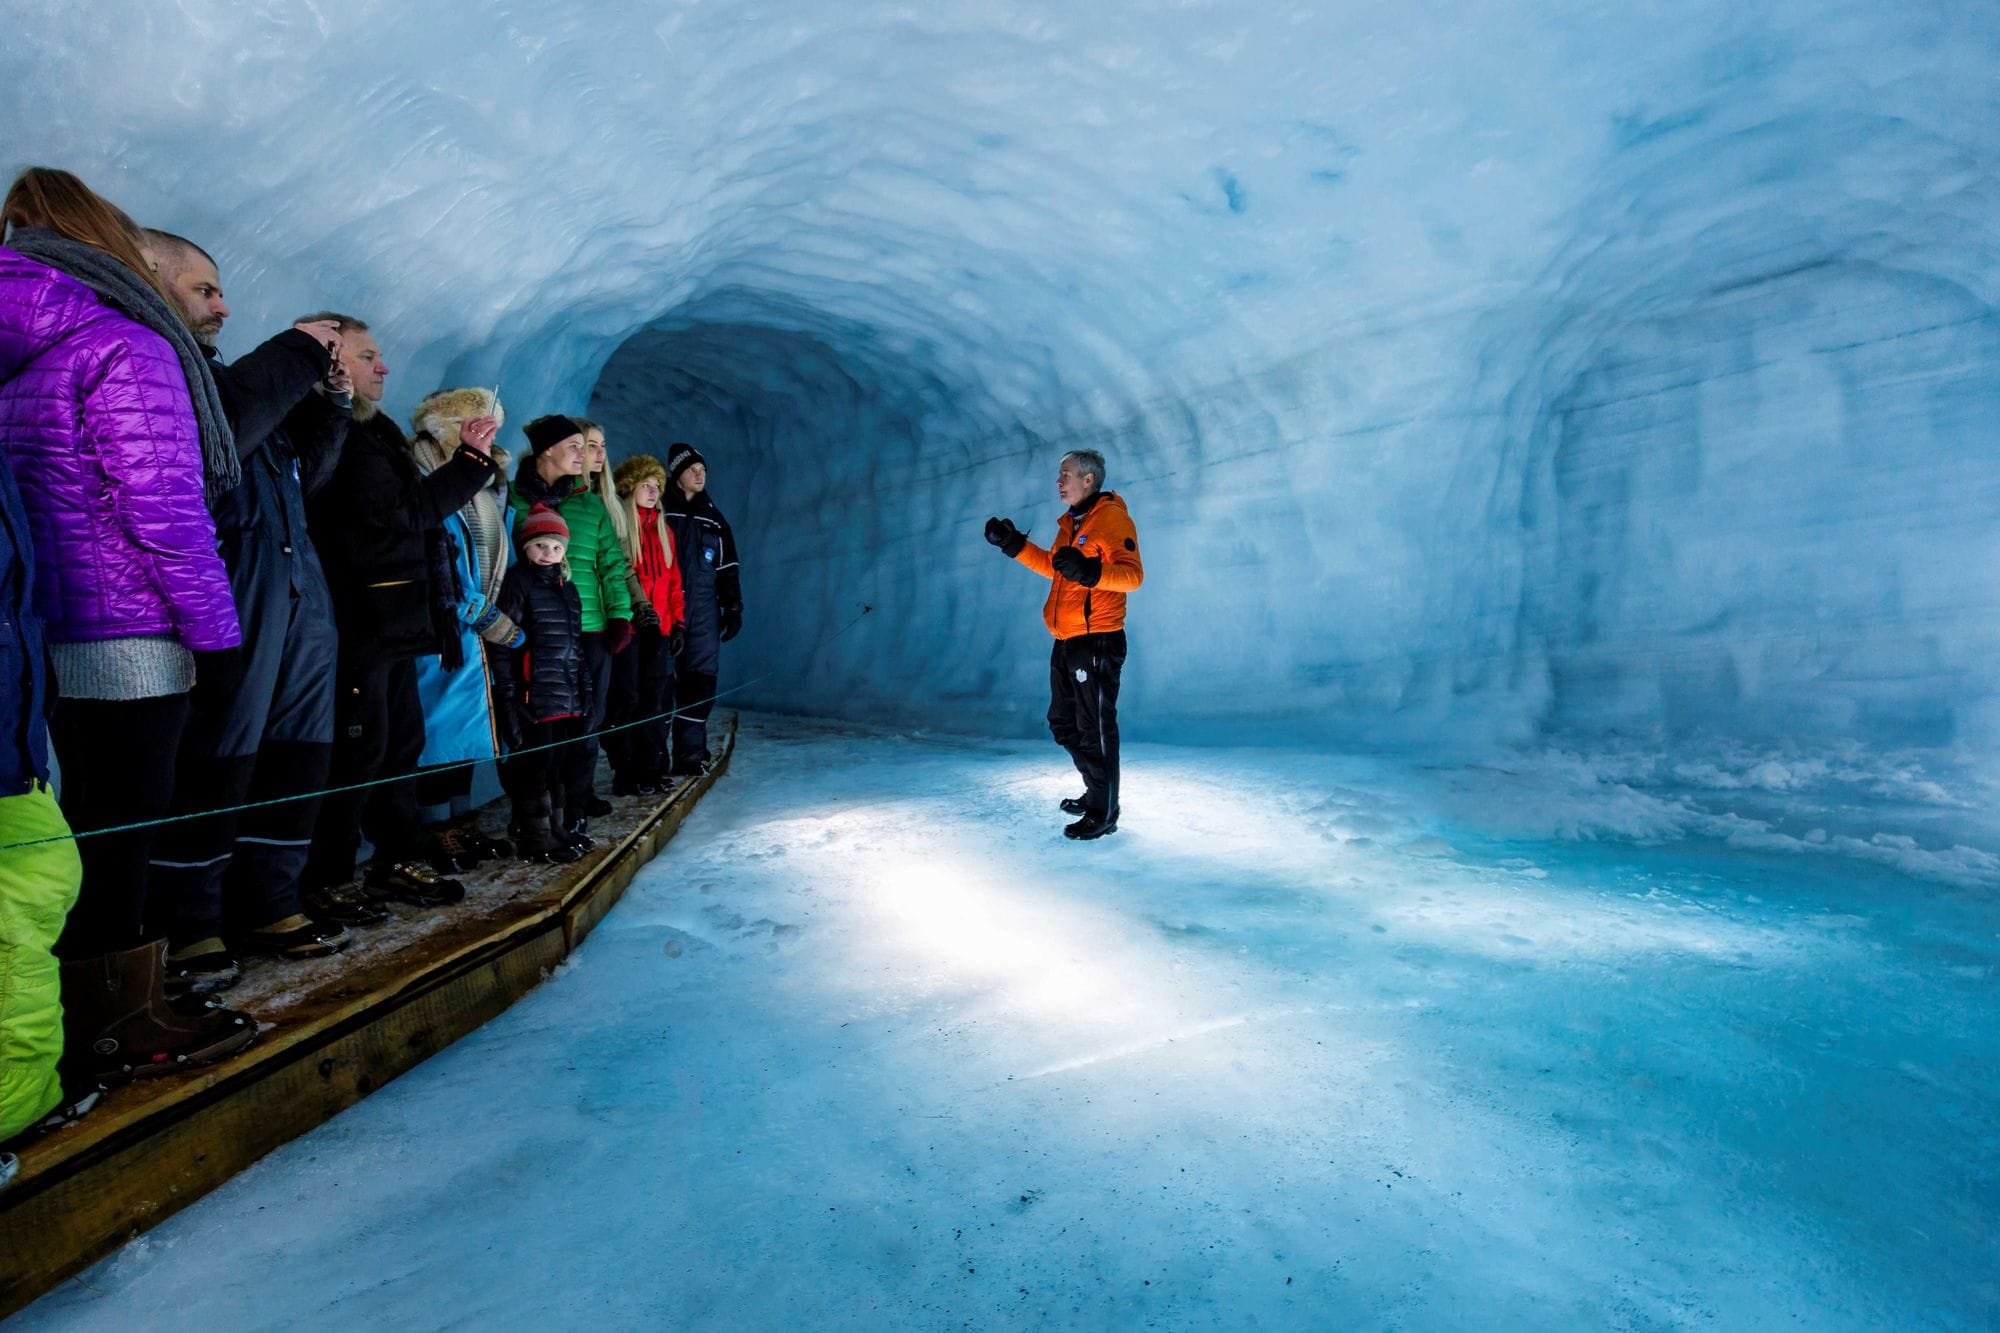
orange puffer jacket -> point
(1106, 534)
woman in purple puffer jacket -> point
(110, 421)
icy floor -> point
(871, 1047)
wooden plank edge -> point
(227, 1120)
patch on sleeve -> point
(1131, 545)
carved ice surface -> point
(1492, 372)
(1588, 407)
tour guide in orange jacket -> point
(1093, 563)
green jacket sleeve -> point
(611, 570)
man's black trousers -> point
(1083, 712)
(378, 732)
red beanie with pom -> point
(541, 521)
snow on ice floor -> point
(870, 1046)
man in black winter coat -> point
(712, 587)
(272, 735)
(379, 523)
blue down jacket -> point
(458, 701)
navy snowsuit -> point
(712, 587)
(274, 736)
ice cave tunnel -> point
(1558, 432)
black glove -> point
(732, 622)
(1074, 565)
(217, 673)
(500, 688)
(513, 725)
(645, 617)
(1003, 534)
(678, 640)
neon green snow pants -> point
(37, 888)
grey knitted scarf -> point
(485, 517)
(131, 296)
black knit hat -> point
(544, 432)
(679, 459)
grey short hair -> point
(1088, 460)
(339, 321)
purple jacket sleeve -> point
(138, 417)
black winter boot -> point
(534, 832)
(1092, 826)
(412, 882)
(118, 1025)
(342, 905)
(1073, 805)
(453, 850)
(295, 937)
(573, 830)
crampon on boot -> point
(573, 830)
(412, 882)
(452, 850)
(206, 967)
(119, 1025)
(534, 835)
(493, 849)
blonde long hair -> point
(607, 489)
(638, 468)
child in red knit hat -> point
(541, 690)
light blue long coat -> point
(458, 705)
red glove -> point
(618, 636)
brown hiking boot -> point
(118, 1025)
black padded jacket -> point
(379, 525)
(545, 679)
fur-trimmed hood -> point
(639, 468)
(439, 414)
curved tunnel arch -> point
(1327, 287)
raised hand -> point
(1002, 533)
(477, 433)
(322, 331)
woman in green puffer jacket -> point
(552, 475)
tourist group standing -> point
(255, 623)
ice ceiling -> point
(1471, 369)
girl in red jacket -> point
(642, 681)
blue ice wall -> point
(1473, 370)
